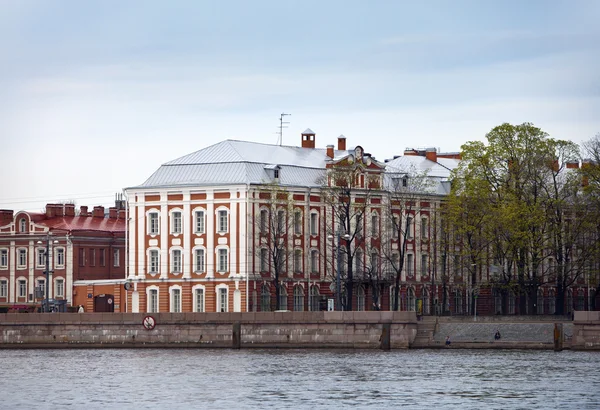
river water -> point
(298, 379)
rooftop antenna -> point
(282, 124)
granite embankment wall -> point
(586, 331)
(365, 330)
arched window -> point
(497, 301)
(283, 297)
(551, 302)
(411, 300)
(265, 298)
(22, 225)
(264, 217)
(360, 298)
(511, 303)
(314, 299)
(297, 261)
(298, 298)
(540, 302)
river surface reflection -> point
(299, 379)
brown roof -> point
(87, 223)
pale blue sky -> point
(95, 95)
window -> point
(276, 173)
(540, 302)
(22, 260)
(314, 299)
(411, 300)
(22, 225)
(3, 258)
(223, 260)
(281, 228)
(283, 297)
(81, 256)
(314, 261)
(424, 265)
(175, 300)
(395, 227)
(41, 257)
(153, 227)
(409, 264)
(298, 298)
(176, 261)
(199, 260)
(222, 221)
(424, 229)
(358, 262)
(116, 258)
(102, 257)
(153, 300)
(199, 298)
(374, 263)
(458, 302)
(92, 257)
(60, 258)
(264, 217)
(374, 224)
(3, 289)
(40, 288)
(314, 225)
(60, 288)
(265, 299)
(457, 265)
(176, 222)
(360, 299)
(297, 261)
(297, 223)
(154, 260)
(200, 222)
(22, 288)
(264, 260)
(222, 299)
(409, 222)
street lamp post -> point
(48, 274)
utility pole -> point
(48, 274)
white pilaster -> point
(188, 220)
(12, 263)
(69, 271)
(164, 236)
(210, 234)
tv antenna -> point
(282, 124)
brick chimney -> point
(112, 212)
(573, 164)
(431, 154)
(69, 209)
(58, 210)
(50, 212)
(98, 212)
(330, 151)
(83, 210)
(308, 138)
(6, 216)
(121, 214)
(342, 143)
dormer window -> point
(273, 171)
(405, 181)
(22, 225)
(276, 173)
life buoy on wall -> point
(109, 301)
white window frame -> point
(314, 261)
(176, 218)
(150, 252)
(298, 298)
(3, 288)
(410, 264)
(116, 258)
(297, 222)
(202, 267)
(195, 292)
(175, 296)
(3, 258)
(153, 230)
(222, 214)
(22, 225)
(409, 226)
(375, 224)
(222, 305)
(264, 221)
(297, 262)
(199, 221)
(150, 290)
(40, 258)
(424, 228)
(314, 223)
(59, 287)
(22, 290)
(59, 261)
(424, 264)
(20, 265)
(222, 268)
(176, 261)
(264, 260)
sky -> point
(95, 95)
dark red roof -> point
(86, 223)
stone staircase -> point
(425, 330)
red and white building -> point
(193, 242)
(86, 257)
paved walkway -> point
(510, 332)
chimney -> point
(112, 212)
(121, 214)
(50, 210)
(330, 151)
(573, 164)
(98, 212)
(342, 143)
(83, 210)
(410, 151)
(6, 216)
(58, 210)
(431, 154)
(69, 209)
(308, 138)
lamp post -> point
(47, 273)
(338, 281)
